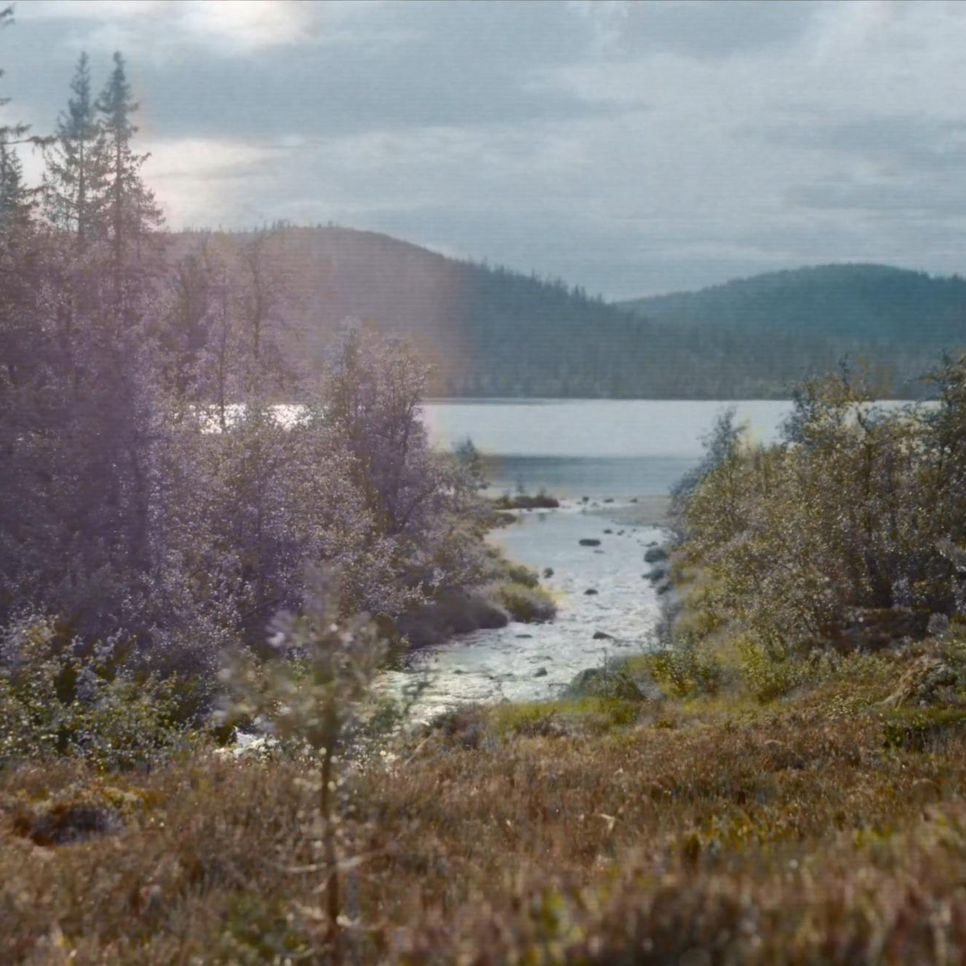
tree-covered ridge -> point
(491, 331)
(878, 304)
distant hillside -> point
(488, 331)
(494, 332)
(892, 313)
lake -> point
(595, 447)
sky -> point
(630, 148)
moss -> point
(591, 714)
(531, 605)
(923, 729)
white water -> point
(595, 448)
(523, 662)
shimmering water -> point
(599, 449)
(530, 661)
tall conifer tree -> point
(75, 182)
(131, 209)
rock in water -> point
(589, 542)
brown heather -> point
(806, 831)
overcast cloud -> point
(631, 148)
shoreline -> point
(646, 511)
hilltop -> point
(491, 331)
(487, 330)
(899, 317)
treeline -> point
(490, 331)
(898, 319)
(847, 535)
(157, 510)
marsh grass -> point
(715, 828)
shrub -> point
(767, 675)
(57, 700)
(531, 605)
(683, 671)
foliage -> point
(154, 490)
(847, 533)
(59, 698)
(701, 831)
(526, 603)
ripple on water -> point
(524, 662)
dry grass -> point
(702, 832)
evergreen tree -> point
(16, 205)
(75, 181)
(131, 211)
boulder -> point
(589, 542)
(655, 554)
(65, 823)
(929, 680)
(609, 682)
(590, 592)
(602, 636)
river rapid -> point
(607, 459)
(598, 590)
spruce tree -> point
(75, 182)
(16, 204)
(131, 210)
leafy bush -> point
(768, 676)
(531, 605)
(857, 510)
(57, 700)
(683, 671)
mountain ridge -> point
(867, 300)
(492, 332)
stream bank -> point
(607, 608)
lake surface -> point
(596, 448)
(602, 450)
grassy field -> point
(827, 827)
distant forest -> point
(898, 320)
(490, 331)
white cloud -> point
(200, 180)
(240, 26)
(246, 25)
(606, 142)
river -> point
(611, 452)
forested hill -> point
(490, 331)
(883, 309)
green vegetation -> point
(526, 603)
(897, 319)
(526, 501)
(591, 830)
(846, 536)
(780, 783)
